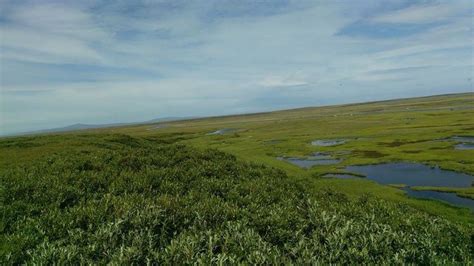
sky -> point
(66, 62)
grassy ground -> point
(115, 199)
(399, 130)
(145, 194)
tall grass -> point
(127, 200)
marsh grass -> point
(129, 195)
(131, 200)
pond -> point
(157, 127)
(414, 174)
(221, 131)
(463, 142)
(310, 161)
(328, 142)
(464, 146)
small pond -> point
(464, 146)
(463, 142)
(328, 142)
(414, 174)
(310, 161)
(222, 131)
(157, 127)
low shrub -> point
(137, 201)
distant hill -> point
(73, 127)
(80, 126)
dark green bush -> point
(128, 200)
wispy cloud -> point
(88, 61)
(278, 81)
(426, 13)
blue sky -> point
(65, 62)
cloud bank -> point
(65, 62)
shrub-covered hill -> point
(127, 200)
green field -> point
(175, 194)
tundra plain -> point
(220, 190)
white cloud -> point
(425, 13)
(232, 64)
(47, 33)
(43, 47)
(58, 19)
(279, 81)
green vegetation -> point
(412, 130)
(178, 195)
(397, 185)
(135, 200)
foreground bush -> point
(126, 200)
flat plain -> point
(407, 130)
(223, 189)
